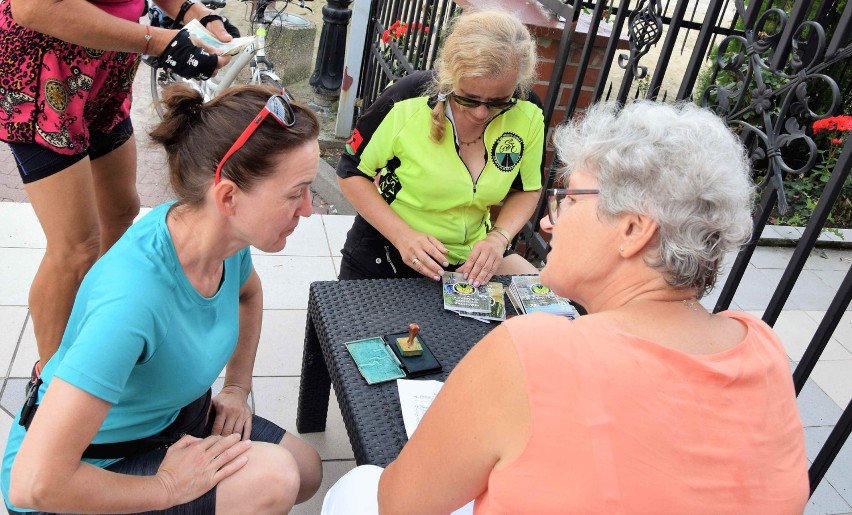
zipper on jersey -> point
(390, 262)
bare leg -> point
(114, 180)
(65, 206)
(310, 466)
(82, 210)
(268, 483)
(275, 478)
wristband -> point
(187, 5)
(188, 60)
(147, 39)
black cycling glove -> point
(188, 60)
(229, 27)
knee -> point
(310, 472)
(284, 485)
(274, 480)
(123, 213)
(75, 256)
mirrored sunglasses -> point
(498, 105)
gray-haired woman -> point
(649, 402)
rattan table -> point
(343, 311)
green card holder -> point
(379, 360)
(374, 360)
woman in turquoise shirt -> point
(156, 320)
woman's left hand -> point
(220, 27)
(233, 414)
(484, 259)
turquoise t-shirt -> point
(141, 337)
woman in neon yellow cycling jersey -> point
(446, 147)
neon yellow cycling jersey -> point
(426, 182)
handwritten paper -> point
(415, 397)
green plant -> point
(803, 191)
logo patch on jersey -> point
(389, 183)
(507, 151)
(354, 141)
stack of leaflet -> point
(483, 303)
(528, 295)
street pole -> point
(327, 76)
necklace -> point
(468, 143)
(690, 304)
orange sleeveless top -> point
(620, 424)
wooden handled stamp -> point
(410, 346)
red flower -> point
(837, 141)
(398, 30)
(841, 123)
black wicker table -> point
(343, 311)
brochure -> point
(531, 296)
(233, 47)
(497, 304)
(461, 296)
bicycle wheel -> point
(271, 81)
(161, 78)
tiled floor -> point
(313, 253)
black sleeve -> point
(409, 86)
(518, 183)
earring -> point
(621, 250)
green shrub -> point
(802, 191)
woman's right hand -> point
(424, 253)
(193, 466)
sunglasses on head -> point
(497, 105)
(278, 106)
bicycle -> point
(261, 69)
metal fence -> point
(770, 69)
(403, 36)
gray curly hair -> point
(680, 165)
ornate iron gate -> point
(403, 36)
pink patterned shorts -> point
(53, 93)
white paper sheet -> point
(415, 397)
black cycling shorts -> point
(37, 162)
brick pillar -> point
(548, 38)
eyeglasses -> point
(278, 106)
(500, 105)
(556, 196)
